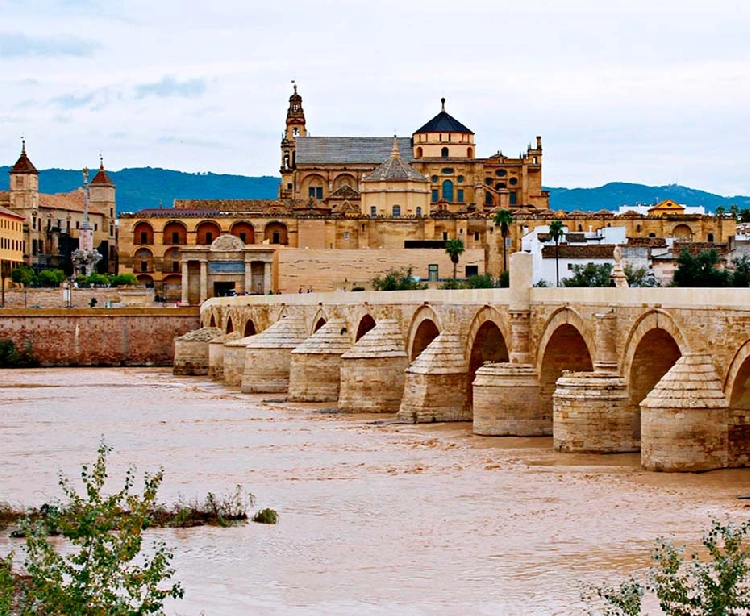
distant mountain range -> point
(146, 187)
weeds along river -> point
(376, 517)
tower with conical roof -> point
(102, 198)
(395, 189)
(443, 137)
(295, 127)
(24, 199)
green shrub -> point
(23, 274)
(451, 284)
(398, 279)
(11, 357)
(104, 570)
(266, 516)
(121, 280)
(50, 278)
(97, 280)
(480, 281)
(688, 586)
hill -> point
(143, 187)
(612, 196)
(146, 187)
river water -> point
(376, 517)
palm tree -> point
(734, 210)
(454, 249)
(556, 233)
(503, 219)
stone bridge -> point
(663, 371)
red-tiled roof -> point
(567, 251)
(101, 177)
(23, 164)
(4, 211)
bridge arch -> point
(249, 328)
(229, 327)
(654, 345)
(319, 320)
(486, 341)
(737, 379)
(424, 328)
(364, 325)
(565, 345)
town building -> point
(52, 223)
(11, 242)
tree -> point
(719, 586)
(503, 219)
(720, 211)
(700, 271)
(105, 571)
(589, 275)
(640, 276)
(50, 277)
(398, 279)
(454, 248)
(23, 274)
(734, 210)
(556, 233)
(741, 272)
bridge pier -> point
(372, 371)
(506, 402)
(191, 351)
(592, 414)
(684, 420)
(216, 354)
(234, 360)
(268, 356)
(315, 370)
(436, 383)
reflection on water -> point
(376, 517)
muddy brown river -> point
(376, 517)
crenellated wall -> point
(582, 364)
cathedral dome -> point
(443, 123)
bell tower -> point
(295, 127)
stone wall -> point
(99, 337)
(79, 298)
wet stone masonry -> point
(663, 371)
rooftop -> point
(443, 123)
(349, 149)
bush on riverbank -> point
(11, 357)
(715, 583)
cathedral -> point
(336, 170)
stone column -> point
(520, 334)
(605, 340)
(248, 277)
(204, 281)
(266, 277)
(185, 298)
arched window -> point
(373, 211)
(419, 211)
(396, 211)
(419, 153)
(710, 237)
(444, 153)
(469, 153)
(448, 191)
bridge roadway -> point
(663, 371)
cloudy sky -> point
(649, 91)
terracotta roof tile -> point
(23, 164)
(101, 176)
(567, 251)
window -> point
(580, 227)
(513, 181)
(501, 173)
(289, 186)
(78, 224)
(460, 179)
(243, 237)
(710, 237)
(295, 132)
(276, 239)
(447, 171)
(363, 226)
(444, 153)
(419, 211)
(419, 153)
(346, 236)
(175, 267)
(638, 228)
(460, 195)
(396, 211)
(472, 270)
(434, 195)
(373, 211)
(144, 237)
(476, 236)
(175, 237)
(445, 236)
(652, 234)
(144, 266)
(488, 198)
(488, 181)
(209, 237)
(513, 197)
(315, 192)
(432, 272)
(448, 191)
(434, 179)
